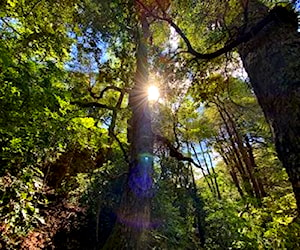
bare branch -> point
(230, 46)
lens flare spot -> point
(153, 93)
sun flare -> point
(153, 93)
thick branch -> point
(111, 87)
(174, 151)
(276, 14)
(231, 45)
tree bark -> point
(271, 60)
(134, 218)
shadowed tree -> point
(271, 59)
(134, 218)
(269, 45)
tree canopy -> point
(88, 161)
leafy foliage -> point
(66, 71)
(234, 223)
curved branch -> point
(106, 89)
(100, 105)
(111, 87)
(175, 153)
(276, 14)
(247, 36)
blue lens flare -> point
(140, 183)
(140, 176)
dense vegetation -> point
(87, 162)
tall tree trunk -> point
(237, 155)
(199, 209)
(231, 165)
(271, 60)
(213, 170)
(243, 151)
(199, 163)
(134, 213)
(213, 176)
(255, 167)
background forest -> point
(224, 156)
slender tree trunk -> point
(242, 150)
(200, 213)
(246, 160)
(197, 202)
(134, 217)
(271, 60)
(214, 172)
(231, 168)
(112, 125)
(237, 157)
(236, 182)
(205, 176)
(211, 176)
(255, 167)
